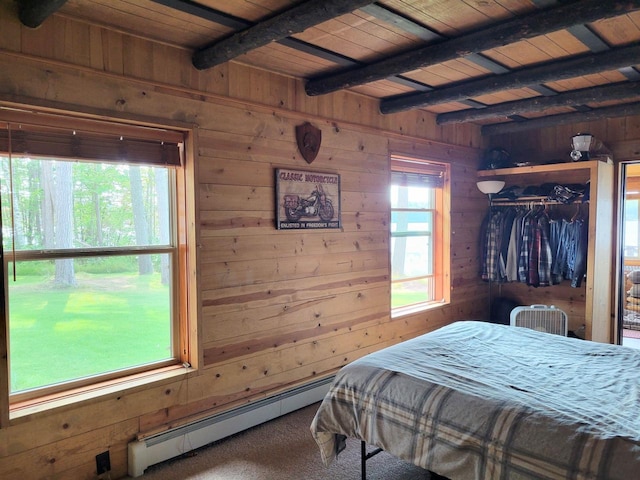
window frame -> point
(182, 234)
(440, 232)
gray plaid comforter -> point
(475, 400)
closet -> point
(589, 302)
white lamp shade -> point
(490, 186)
(582, 142)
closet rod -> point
(509, 203)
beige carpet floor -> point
(281, 449)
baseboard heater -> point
(172, 443)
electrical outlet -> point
(103, 465)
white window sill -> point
(413, 309)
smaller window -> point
(419, 234)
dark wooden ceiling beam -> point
(316, 51)
(590, 38)
(563, 119)
(547, 21)
(552, 71)
(620, 91)
(33, 13)
(289, 22)
(206, 13)
(236, 23)
(405, 24)
(400, 21)
(543, 90)
(631, 73)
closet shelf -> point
(573, 167)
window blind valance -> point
(405, 179)
(52, 136)
(411, 173)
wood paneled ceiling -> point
(507, 65)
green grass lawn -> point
(108, 322)
(401, 298)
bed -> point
(476, 400)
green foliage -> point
(32, 270)
(102, 212)
(100, 265)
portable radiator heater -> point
(542, 318)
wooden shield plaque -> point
(308, 138)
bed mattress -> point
(475, 400)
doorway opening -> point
(629, 290)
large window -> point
(91, 258)
(418, 234)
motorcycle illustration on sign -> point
(307, 200)
(317, 203)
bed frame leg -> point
(364, 456)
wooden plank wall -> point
(622, 137)
(276, 308)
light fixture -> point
(581, 146)
(489, 187)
